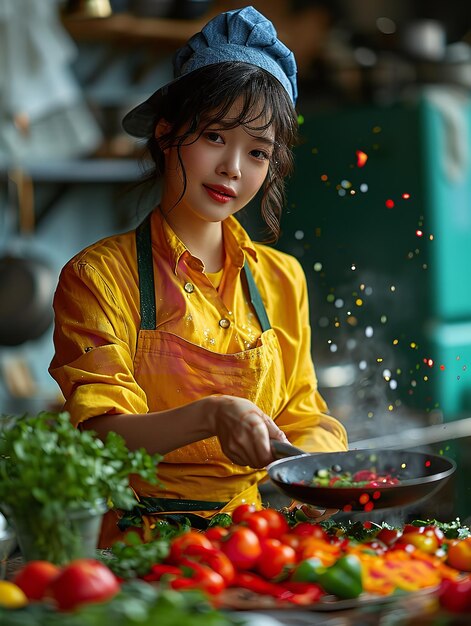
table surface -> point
(414, 609)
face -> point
(224, 169)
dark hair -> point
(205, 96)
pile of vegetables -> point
(261, 553)
(301, 563)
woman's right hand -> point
(243, 429)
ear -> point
(162, 128)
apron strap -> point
(147, 288)
(145, 268)
(256, 299)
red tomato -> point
(459, 554)
(389, 535)
(257, 523)
(310, 530)
(83, 581)
(242, 546)
(35, 577)
(179, 544)
(242, 511)
(291, 540)
(410, 528)
(215, 534)
(277, 524)
(276, 560)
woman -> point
(186, 337)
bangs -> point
(261, 99)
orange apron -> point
(197, 479)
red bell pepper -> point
(455, 595)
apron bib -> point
(198, 479)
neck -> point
(203, 239)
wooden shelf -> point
(90, 170)
(125, 28)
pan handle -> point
(283, 450)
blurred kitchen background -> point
(378, 212)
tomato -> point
(425, 543)
(410, 528)
(459, 555)
(389, 535)
(179, 544)
(35, 577)
(215, 534)
(291, 540)
(310, 530)
(242, 546)
(364, 475)
(81, 582)
(277, 524)
(276, 560)
(257, 523)
(242, 511)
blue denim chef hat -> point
(240, 35)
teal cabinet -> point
(386, 244)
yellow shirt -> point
(97, 322)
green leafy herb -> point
(220, 519)
(451, 530)
(131, 558)
(49, 469)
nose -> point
(229, 165)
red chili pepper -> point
(200, 577)
(304, 593)
(161, 569)
(214, 558)
(247, 580)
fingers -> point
(244, 432)
(313, 513)
(317, 515)
(245, 440)
(273, 431)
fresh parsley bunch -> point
(48, 469)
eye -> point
(213, 136)
(261, 155)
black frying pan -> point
(420, 475)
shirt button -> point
(189, 288)
(224, 323)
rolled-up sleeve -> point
(94, 337)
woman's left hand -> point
(313, 513)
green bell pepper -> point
(343, 579)
(308, 571)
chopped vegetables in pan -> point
(336, 477)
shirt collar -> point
(236, 239)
